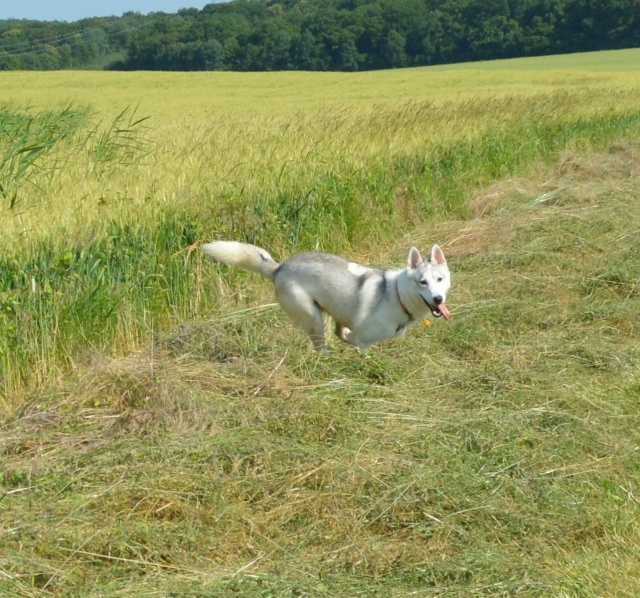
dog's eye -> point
(440, 279)
(424, 283)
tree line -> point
(322, 35)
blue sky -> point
(72, 10)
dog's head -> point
(432, 279)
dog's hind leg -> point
(304, 311)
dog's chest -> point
(402, 328)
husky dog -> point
(367, 304)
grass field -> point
(167, 432)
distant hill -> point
(322, 35)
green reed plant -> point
(123, 142)
(34, 145)
(36, 148)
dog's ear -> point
(437, 256)
(414, 259)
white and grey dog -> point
(367, 304)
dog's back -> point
(343, 289)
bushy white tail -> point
(242, 255)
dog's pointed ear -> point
(437, 256)
(414, 259)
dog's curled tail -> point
(242, 255)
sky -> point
(73, 10)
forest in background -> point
(322, 35)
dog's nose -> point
(437, 299)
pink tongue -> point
(446, 314)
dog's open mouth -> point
(439, 311)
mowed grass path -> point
(166, 430)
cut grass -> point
(494, 455)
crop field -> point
(167, 432)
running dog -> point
(368, 305)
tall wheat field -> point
(167, 432)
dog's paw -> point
(342, 332)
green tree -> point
(348, 55)
(395, 54)
(307, 52)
